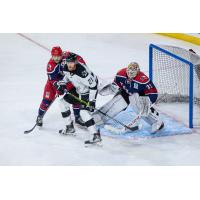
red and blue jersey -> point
(141, 84)
(54, 71)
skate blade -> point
(81, 127)
(94, 144)
(68, 134)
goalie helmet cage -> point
(176, 73)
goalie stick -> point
(123, 130)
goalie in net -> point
(131, 87)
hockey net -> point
(176, 73)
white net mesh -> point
(171, 77)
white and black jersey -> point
(85, 82)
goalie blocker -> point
(131, 87)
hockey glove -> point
(91, 105)
(108, 89)
(60, 88)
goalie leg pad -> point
(154, 120)
(140, 104)
(112, 108)
(153, 116)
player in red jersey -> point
(52, 90)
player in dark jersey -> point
(85, 83)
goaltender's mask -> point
(132, 70)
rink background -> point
(23, 89)
(130, 182)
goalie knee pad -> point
(135, 102)
(140, 104)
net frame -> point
(190, 98)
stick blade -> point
(28, 131)
(135, 128)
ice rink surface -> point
(23, 76)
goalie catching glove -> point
(108, 89)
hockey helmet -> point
(71, 57)
(56, 51)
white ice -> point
(23, 76)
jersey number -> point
(149, 86)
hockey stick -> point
(115, 120)
(123, 130)
(28, 131)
